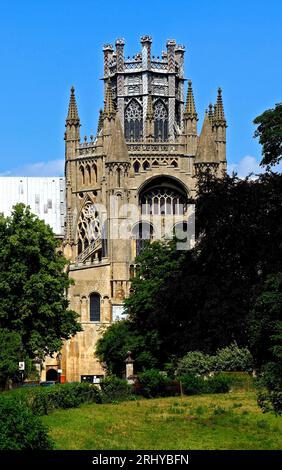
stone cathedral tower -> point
(143, 161)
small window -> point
(95, 307)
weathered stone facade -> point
(146, 152)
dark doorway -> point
(51, 374)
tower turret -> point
(72, 134)
(190, 121)
(219, 126)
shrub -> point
(232, 358)
(153, 383)
(195, 362)
(115, 389)
(217, 384)
(192, 384)
(19, 428)
(271, 401)
(196, 385)
(42, 400)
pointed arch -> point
(133, 121)
(94, 168)
(88, 227)
(146, 165)
(160, 121)
(136, 166)
(88, 174)
(81, 169)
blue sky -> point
(46, 46)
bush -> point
(153, 383)
(229, 359)
(41, 400)
(232, 358)
(271, 401)
(195, 362)
(19, 428)
(217, 384)
(115, 389)
(196, 385)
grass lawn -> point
(224, 421)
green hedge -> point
(42, 400)
(115, 389)
(153, 383)
(20, 429)
(196, 385)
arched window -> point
(146, 165)
(89, 228)
(136, 166)
(162, 201)
(95, 310)
(142, 232)
(133, 121)
(88, 174)
(160, 121)
(95, 172)
(82, 174)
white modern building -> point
(44, 195)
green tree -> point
(33, 284)
(265, 330)
(269, 132)
(122, 337)
(11, 354)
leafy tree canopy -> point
(269, 132)
(33, 283)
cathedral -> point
(129, 183)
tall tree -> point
(269, 132)
(33, 284)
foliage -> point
(153, 383)
(121, 337)
(269, 132)
(265, 329)
(196, 385)
(42, 400)
(232, 358)
(10, 355)
(195, 362)
(33, 282)
(228, 359)
(19, 428)
(115, 389)
(201, 298)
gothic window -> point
(88, 226)
(142, 233)
(88, 174)
(95, 172)
(162, 201)
(136, 166)
(146, 165)
(95, 310)
(82, 175)
(133, 121)
(160, 121)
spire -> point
(219, 117)
(190, 110)
(100, 121)
(72, 116)
(118, 151)
(206, 151)
(109, 109)
(210, 113)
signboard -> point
(21, 365)
(60, 371)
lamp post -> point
(59, 357)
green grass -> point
(225, 421)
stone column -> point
(129, 372)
